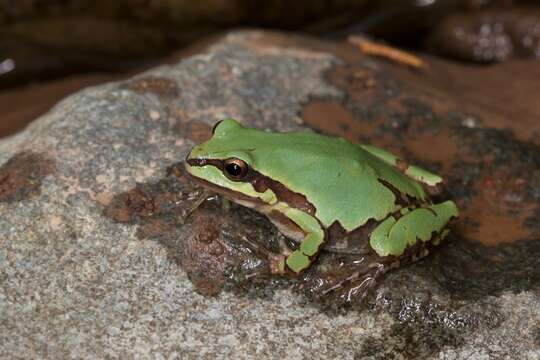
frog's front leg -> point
(310, 245)
(298, 226)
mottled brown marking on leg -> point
(355, 242)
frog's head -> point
(225, 165)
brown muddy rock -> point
(445, 118)
(98, 262)
(439, 117)
(22, 175)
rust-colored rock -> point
(21, 176)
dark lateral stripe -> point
(260, 183)
(402, 199)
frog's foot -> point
(275, 263)
(347, 284)
(197, 198)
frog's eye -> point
(235, 169)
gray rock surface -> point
(75, 284)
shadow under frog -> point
(209, 245)
(199, 235)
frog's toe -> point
(343, 285)
(249, 271)
(356, 290)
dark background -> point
(50, 48)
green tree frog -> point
(315, 188)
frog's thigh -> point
(393, 236)
(412, 171)
(299, 259)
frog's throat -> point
(275, 198)
(268, 197)
(236, 196)
(285, 225)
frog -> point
(325, 193)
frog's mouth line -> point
(284, 224)
(232, 195)
(260, 183)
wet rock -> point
(96, 260)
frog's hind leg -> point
(357, 286)
(412, 171)
(349, 281)
(394, 235)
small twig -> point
(387, 52)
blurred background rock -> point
(69, 44)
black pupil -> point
(234, 169)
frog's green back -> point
(342, 180)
